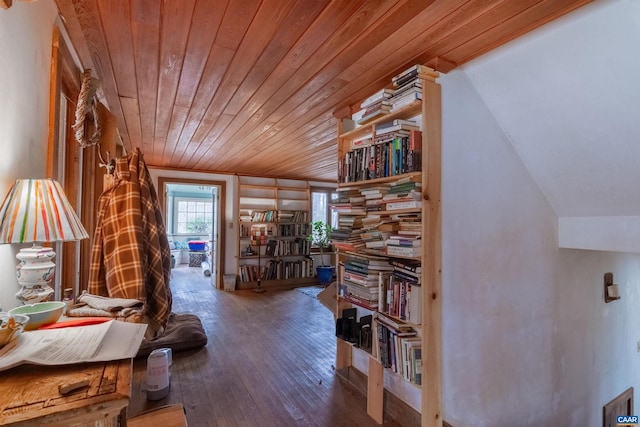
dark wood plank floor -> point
(269, 361)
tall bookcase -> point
(425, 398)
(282, 208)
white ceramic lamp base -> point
(34, 273)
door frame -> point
(221, 220)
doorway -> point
(193, 211)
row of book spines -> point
(293, 229)
(392, 158)
(400, 354)
(400, 296)
(282, 230)
(288, 247)
(277, 270)
(273, 215)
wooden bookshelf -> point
(425, 399)
(283, 205)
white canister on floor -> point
(158, 375)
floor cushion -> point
(184, 331)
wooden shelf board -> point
(383, 180)
(412, 109)
(280, 283)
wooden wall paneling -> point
(176, 24)
(266, 20)
(63, 155)
(54, 102)
(375, 391)
(299, 18)
(179, 115)
(116, 25)
(201, 73)
(492, 28)
(291, 28)
(89, 29)
(145, 32)
(364, 71)
(313, 139)
(132, 120)
(284, 100)
(334, 17)
(380, 22)
(432, 255)
(232, 31)
(219, 77)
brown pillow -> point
(184, 331)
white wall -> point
(595, 344)
(25, 57)
(527, 337)
(566, 94)
(500, 267)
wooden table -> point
(30, 395)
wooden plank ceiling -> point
(250, 86)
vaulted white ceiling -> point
(568, 98)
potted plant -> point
(321, 237)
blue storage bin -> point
(196, 245)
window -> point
(320, 200)
(194, 216)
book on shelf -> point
(363, 141)
(397, 127)
(378, 96)
(406, 100)
(414, 70)
(404, 241)
(408, 204)
(376, 244)
(416, 361)
(411, 86)
(411, 252)
(394, 324)
(406, 264)
(363, 279)
(362, 302)
(407, 275)
(394, 122)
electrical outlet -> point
(638, 346)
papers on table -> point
(112, 340)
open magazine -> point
(111, 340)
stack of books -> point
(292, 216)
(408, 87)
(393, 153)
(399, 348)
(376, 105)
(347, 236)
(402, 294)
(360, 275)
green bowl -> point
(40, 313)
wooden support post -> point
(375, 391)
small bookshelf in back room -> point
(282, 206)
(388, 221)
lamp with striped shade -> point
(37, 211)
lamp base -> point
(31, 295)
(34, 273)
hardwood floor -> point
(269, 361)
